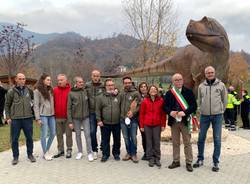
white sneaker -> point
(90, 157)
(79, 156)
(47, 156)
(95, 155)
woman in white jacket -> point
(44, 112)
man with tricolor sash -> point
(180, 104)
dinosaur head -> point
(208, 35)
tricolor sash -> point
(192, 120)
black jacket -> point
(171, 104)
(2, 99)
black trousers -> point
(245, 119)
(106, 131)
(15, 128)
(229, 117)
(153, 138)
(143, 139)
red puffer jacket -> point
(151, 113)
(60, 101)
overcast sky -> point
(101, 18)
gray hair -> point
(208, 68)
(61, 74)
(76, 78)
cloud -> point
(91, 19)
(98, 18)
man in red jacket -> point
(60, 100)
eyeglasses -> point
(110, 85)
(209, 72)
(178, 80)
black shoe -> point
(31, 158)
(68, 154)
(174, 165)
(59, 154)
(227, 126)
(215, 168)
(144, 157)
(198, 163)
(117, 157)
(104, 159)
(14, 161)
(232, 129)
(189, 167)
(151, 162)
(157, 163)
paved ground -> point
(235, 167)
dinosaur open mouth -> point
(193, 35)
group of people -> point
(236, 103)
(87, 106)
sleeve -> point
(192, 104)
(69, 109)
(199, 96)
(36, 104)
(163, 117)
(142, 112)
(8, 103)
(98, 109)
(235, 101)
(166, 103)
(224, 96)
(137, 98)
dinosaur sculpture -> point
(210, 46)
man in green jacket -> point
(129, 118)
(94, 88)
(108, 117)
(78, 116)
(18, 109)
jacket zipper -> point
(152, 113)
(210, 99)
(111, 108)
(82, 105)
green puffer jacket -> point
(19, 105)
(127, 97)
(93, 91)
(77, 105)
(108, 108)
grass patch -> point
(5, 136)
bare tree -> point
(154, 22)
(15, 48)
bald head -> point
(95, 76)
(20, 79)
(210, 73)
(177, 80)
(231, 88)
(79, 83)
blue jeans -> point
(16, 126)
(205, 121)
(129, 135)
(47, 122)
(93, 130)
